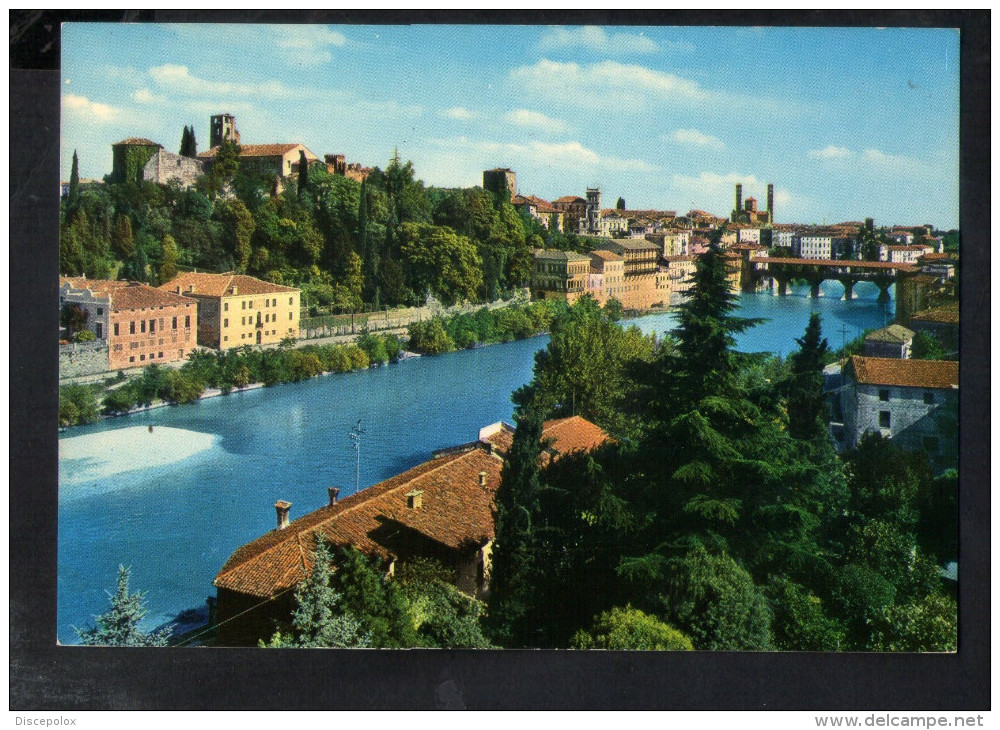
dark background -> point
(44, 676)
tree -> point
(807, 416)
(800, 621)
(317, 620)
(926, 346)
(430, 337)
(77, 404)
(73, 317)
(168, 260)
(303, 173)
(225, 166)
(73, 201)
(135, 268)
(620, 205)
(185, 142)
(628, 629)
(715, 602)
(930, 624)
(238, 227)
(511, 601)
(122, 241)
(438, 260)
(443, 616)
(119, 626)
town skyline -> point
(847, 123)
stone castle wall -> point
(83, 358)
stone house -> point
(165, 167)
(141, 325)
(893, 341)
(280, 160)
(574, 209)
(541, 210)
(440, 509)
(913, 402)
(236, 310)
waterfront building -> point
(559, 275)
(893, 341)
(912, 402)
(906, 254)
(441, 509)
(140, 324)
(942, 322)
(607, 276)
(236, 310)
(643, 288)
(812, 246)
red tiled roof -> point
(139, 141)
(101, 286)
(219, 285)
(570, 199)
(607, 255)
(262, 150)
(905, 373)
(839, 262)
(456, 511)
(947, 314)
(143, 296)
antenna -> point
(355, 435)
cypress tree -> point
(121, 238)
(806, 409)
(74, 185)
(185, 149)
(168, 262)
(193, 143)
(303, 172)
(511, 599)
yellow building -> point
(559, 275)
(236, 310)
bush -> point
(84, 336)
(77, 404)
(374, 347)
(430, 337)
(628, 629)
(182, 387)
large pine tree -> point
(119, 625)
(807, 416)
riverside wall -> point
(83, 358)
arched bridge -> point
(816, 271)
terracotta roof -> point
(606, 255)
(894, 333)
(139, 141)
(839, 262)
(98, 286)
(905, 373)
(910, 248)
(456, 511)
(263, 150)
(570, 199)
(220, 285)
(143, 296)
(947, 314)
(938, 257)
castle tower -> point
(223, 128)
(499, 179)
(739, 198)
(770, 203)
(593, 209)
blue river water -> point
(175, 502)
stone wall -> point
(83, 358)
(166, 166)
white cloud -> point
(696, 138)
(892, 163)
(608, 83)
(830, 152)
(94, 110)
(567, 155)
(458, 112)
(178, 80)
(595, 38)
(306, 45)
(536, 120)
(714, 192)
(299, 45)
(145, 96)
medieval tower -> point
(223, 128)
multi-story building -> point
(141, 324)
(913, 402)
(441, 509)
(893, 341)
(812, 246)
(541, 210)
(607, 276)
(559, 275)
(748, 235)
(574, 209)
(903, 254)
(783, 238)
(236, 310)
(642, 288)
(673, 242)
(680, 269)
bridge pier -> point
(814, 288)
(883, 291)
(782, 286)
(848, 288)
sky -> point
(847, 123)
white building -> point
(812, 247)
(913, 402)
(903, 254)
(782, 239)
(748, 235)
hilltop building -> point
(746, 211)
(236, 310)
(338, 165)
(500, 179)
(440, 509)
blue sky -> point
(847, 123)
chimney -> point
(190, 288)
(333, 492)
(415, 499)
(178, 288)
(482, 479)
(281, 507)
(235, 290)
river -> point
(175, 502)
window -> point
(289, 300)
(132, 359)
(100, 310)
(159, 355)
(187, 321)
(100, 330)
(131, 328)
(289, 315)
(175, 323)
(142, 325)
(250, 304)
(142, 357)
(225, 323)
(884, 419)
(267, 302)
(225, 307)
(118, 348)
(274, 302)
(883, 395)
(244, 305)
(226, 338)
(243, 320)
(116, 329)
(152, 326)
(161, 321)
(133, 346)
(928, 396)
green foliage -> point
(77, 404)
(168, 259)
(73, 317)
(379, 604)
(84, 336)
(119, 625)
(926, 346)
(860, 597)
(628, 629)
(225, 166)
(800, 621)
(614, 310)
(122, 242)
(715, 602)
(430, 337)
(928, 624)
(73, 201)
(303, 173)
(807, 412)
(443, 616)
(440, 261)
